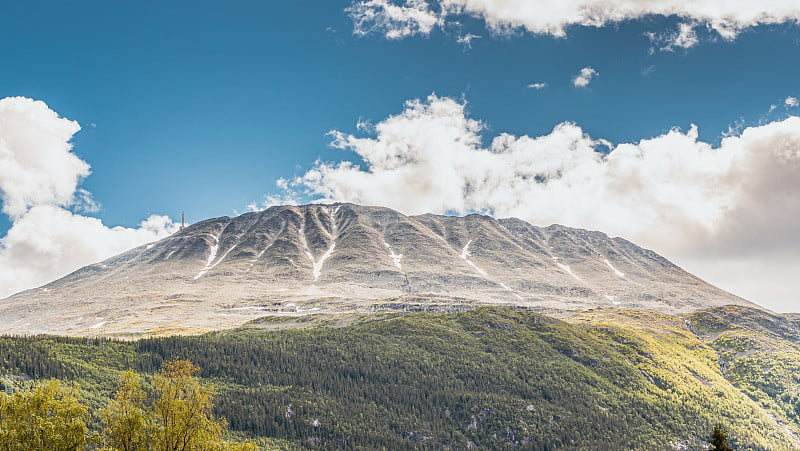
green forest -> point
(490, 378)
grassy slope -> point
(760, 354)
(607, 379)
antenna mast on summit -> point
(183, 221)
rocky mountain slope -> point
(346, 258)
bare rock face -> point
(345, 258)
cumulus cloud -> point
(537, 86)
(584, 77)
(695, 202)
(36, 162)
(727, 18)
(791, 102)
(40, 193)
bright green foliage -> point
(125, 418)
(183, 416)
(759, 353)
(48, 417)
(719, 439)
(180, 418)
(488, 378)
(494, 378)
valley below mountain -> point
(488, 378)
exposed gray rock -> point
(343, 258)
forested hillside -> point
(491, 378)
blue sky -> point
(201, 106)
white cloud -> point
(696, 203)
(537, 86)
(36, 162)
(393, 20)
(466, 40)
(585, 76)
(288, 195)
(685, 37)
(791, 102)
(39, 179)
(725, 17)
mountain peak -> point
(344, 258)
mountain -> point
(344, 258)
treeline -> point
(49, 416)
(489, 378)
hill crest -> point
(291, 260)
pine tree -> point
(719, 439)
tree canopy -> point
(52, 417)
(48, 417)
(179, 419)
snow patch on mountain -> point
(464, 256)
(395, 257)
(616, 271)
(567, 269)
(211, 256)
(316, 265)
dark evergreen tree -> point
(719, 439)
